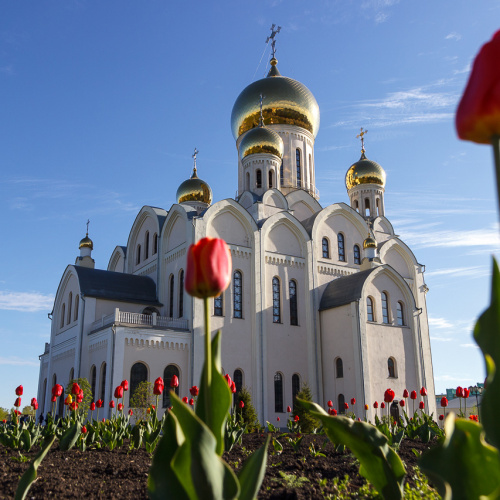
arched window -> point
(70, 303)
(400, 313)
(369, 309)
(171, 296)
(356, 205)
(44, 395)
(276, 300)
(138, 255)
(138, 374)
(155, 243)
(63, 313)
(282, 176)
(71, 374)
(278, 392)
(218, 305)
(237, 295)
(270, 175)
(326, 248)
(77, 304)
(385, 308)
(391, 366)
(168, 373)
(292, 287)
(341, 402)
(340, 240)
(93, 378)
(258, 179)
(102, 378)
(367, 207)
(238, 380)
(146, 245)
(357, 255)
(295, 387)
(339, 368)
(299, 173)
(181, 293)
(310, 171)
(247, 186)
(377, 203)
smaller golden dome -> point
(194, 189)
(369, 243)
(86, 242)
(261, 140)
(365, 171)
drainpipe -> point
(421, 349)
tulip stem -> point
(495, 142)
(208, 359)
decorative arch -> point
(278, 392)
(395, 244)
(291, 223)
(168, 373)
(138, 373)
(93, 380)
(392, 368)
(339, 368)
(117, 259)
(102, 380)
(275, 198)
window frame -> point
(400, 313)
(276, 287)
(167, 377)
(325, 247)
(357, 254)
(180, 305)
(339, 367)
(238, 294)
(258, 178)
(298, 164)
(294, 311)
(386, 317)
(392, 367)
(219, 305)
(370, 304)
(278, 393)
(341, 247)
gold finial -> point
(361, 136)
(261, 100)
(194, 155)
(88, 222)
(272, 36)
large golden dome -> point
(261, 140)
(194, 189)
(365, 171)
(286, 101)
(86, 243)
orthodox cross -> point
(274, 32)
(88, 222)
(261, 100)
(195, 154)
(361, 136)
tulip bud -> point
(191, 402)
(278, 419)
(185, 400)
(332, 411)
(405, 393)
(68, 400)
(389, 395)
(382, 405)
(130, 412)
(53, 399)
(353, 401)
(57, 390)
(111, 404)
(119, 392)
(444, 402)
(423, 391)
(73, 406)
(233, 387)
(124, 384)
(367, 407)
(296, 418)
(402, 403)
(34, 403)
(120, 406)
(421, 405)
(174, 382)
(92, 406)
(466, 392)
(17, 403)
(194, 391)
(228, 380)
(100, 403)
(459, 392)
(19, 390)
(148, 411)
(413, 395)
(330, 404)
(242, 404)
(375, 405)
(346, 406)
(84, 430)
(441, 417)
(79, 397)
(75, 389)
(288, 409)
(208, 268)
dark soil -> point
(123, 474)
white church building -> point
(328, 296)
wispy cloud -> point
(453, 36)
(439, 323)
(470, 346)
(460, 272)
(15, 361)
(25, 301)
(451, 378)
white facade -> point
(283, 242)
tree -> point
(248, 411)
(28, 410)
(4, 414)
(142, 399)
(88, 397)
(306, 421)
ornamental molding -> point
(149, 270)
(241, 252)
(174, 254)
(96, 346)
(66, 354)
(334, 270)
(286, 261)
(134, 341)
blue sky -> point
(102, 104)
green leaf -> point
(69, 438)
(463, 465)
(488, 339)
(137, 433)
(220, 397)
(379, 463)
(30, 475)
(196, 463)
(252, 473)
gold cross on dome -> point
(361, 136)
(88, 222)
(271, 37)
(194, 155)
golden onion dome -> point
(86, 242)
(194, 189)
(287, 101)
(365, 171)
(261, 140)
(369, 243)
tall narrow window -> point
(385, 308)
(340, 240)
(276, 300)
(237, 295)
(93, 379)
(400, 314)
(391, 366)
(102, 376)
(181, 293)
(171, 296)
(238, 380)
(341, 402)
(168, 373)
(77, 303)
(138, 374)
(292, 287)
(270, 179)
(155, 243)
(367, 207)
(70, 303)
(278, 392)
(356, 205)
(282, 176)
(247, 184)
(357, 255)
(369, 309)
(146, 245)
(258, 179)
(310, 173)
(138, 256)
(71, 375)
(378, 206)
(44, 395)
(299, 173)
(295, 387)
(63, 313)
(339, 368)
(218, 305)
(326, 248)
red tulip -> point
(92, 406)
(17, 403)
(478, 114)
(330, 404)
(413, 395)
(242, 404)
(228, 380)
(124, 384)
(421, 405)
(389, 395)
(73, 406)
(75, 389)
(296, 418)
(130, 412)
(153, 406)
(278, 419)
(159, 385)
(57, 390)
(441, 417)
(406, 394)
(175, 381)
(194, 391)
(84, 430)
(353, 401)
(208, 268)
(466, 393)
(367, 407)
(444, 402)
(459, 392)
(53, 399)
(346, 406)
(79, 397)
(402, 403)
(375, 405)
(332, 411)
(120, 406)
(382, 405)
(288, 409)
(111, 404)
(191, 402)
(185, 399)
(119, 392)
(100, 403)
(233, 387)
(423, 391)
(34, 403)
(19, 390)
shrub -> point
(142, 399)
(249, 414)
(88, 397)
(306, 421)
